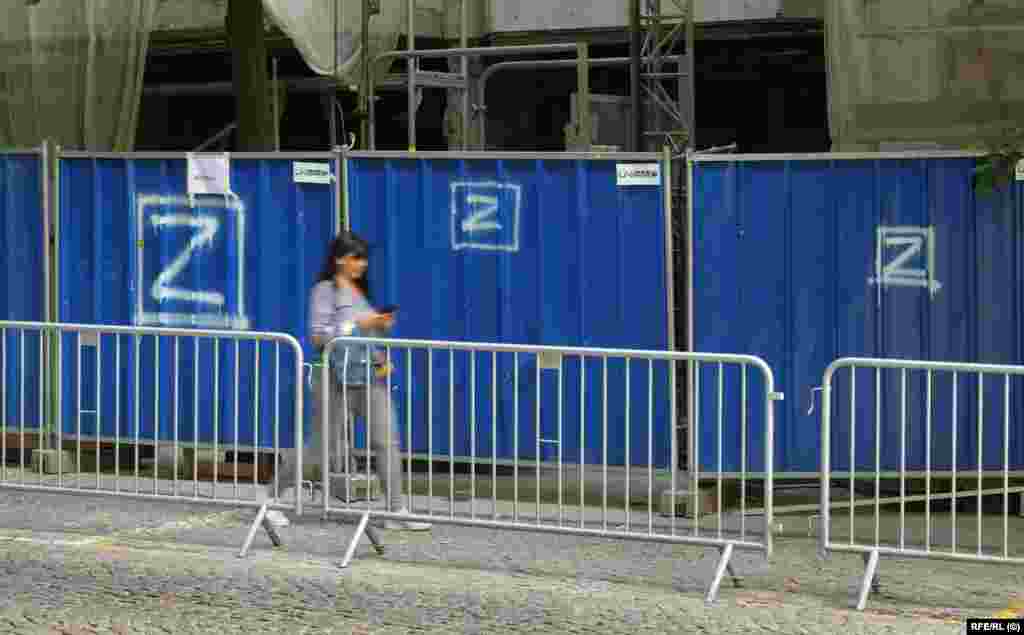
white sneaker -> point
(406, 525)
(277, 518)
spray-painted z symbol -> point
(913, 243)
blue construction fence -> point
(541, 250)
(802, 260)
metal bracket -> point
(871, 581)
(362, 528)
(261, 519)
(724, 564)
(777, 396)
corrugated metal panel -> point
(21, 270)
(785, 266)
(135, 250)
(571, 259)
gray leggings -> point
(379, 415)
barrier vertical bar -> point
(137, 408)
(878, 453)
(853, 449)
(903, 455)
(40, 436)
(824, 535)
(1006, 467)
(177, 390)
(561, 444)
(515, 437)
(390, 420)
(408, 427)
(674, 444)
(216, 413)
(297, 418)
(928, 463)
(156, 413)
(721, 423)
(99, 403)
(743, 451)
(956, 426)
(650, 446)
(494, 431)
(430, 430)
(536, 422)
(277, 420)
(257, 389)
(78, 405)
(472, 434)
(695, 442)
(629, 457)
(981, 446)
(583, 436)
(117, 413)
(451, 432)
(195, 417)
(604, 443)
(234, 458)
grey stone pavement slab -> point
(79, 564)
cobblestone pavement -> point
(81, 565)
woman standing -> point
(339, 306)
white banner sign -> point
(209, 174)
(628, 174)
(312, 173)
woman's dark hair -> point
(345, 244)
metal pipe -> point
(411, 71)
(441, 53)
(583, 96)
(636, 125)
(691, 40)
(464, 43)
(539, 65)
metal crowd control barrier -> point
(125, 397)
(949, 405)
(560, 510)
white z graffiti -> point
(209, 308)
(207, 226)
(481, 220)
(485, 216)
(917, 246)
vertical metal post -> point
(636, 124)
(583, 93)
(277, 112)
(464, 43)
(691, 40)
(367, 125)
(411, 67)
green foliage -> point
(996, 169)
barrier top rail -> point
(109, 329)
(564, 350)
(19, 151)
(908, 364)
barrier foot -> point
(260, 520)
(362, 528)
(723, 565)
(870, 581)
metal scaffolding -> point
(655, 35)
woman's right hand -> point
(376, 321)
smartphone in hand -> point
(389, 309)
